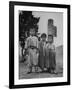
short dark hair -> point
(32, 27)
(50, 36)
(43, 35)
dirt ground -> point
(59, 68)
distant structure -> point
(52, 30)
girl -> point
(42, 52)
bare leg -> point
(30, 69)
(36, 68)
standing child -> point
(42, 52)
(31, 46)
(50, 55)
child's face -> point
(50, 39)
(43, 38)
(32, 32)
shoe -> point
(29, 72)
(41, 71)
(55, 72)
(51, 71)
(48, 70)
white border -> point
(18, 81)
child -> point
(50, 55)
(42, 52)
(31, 46)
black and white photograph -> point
(39, 44)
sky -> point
(43, 24)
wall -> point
(58, 21)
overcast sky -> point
(58, 21)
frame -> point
(13, 33)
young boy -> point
(50, 55)
(42, 52)
(31, 46)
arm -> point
(37, 43)
(26, 45)
(54, 49)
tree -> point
(26, 20)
